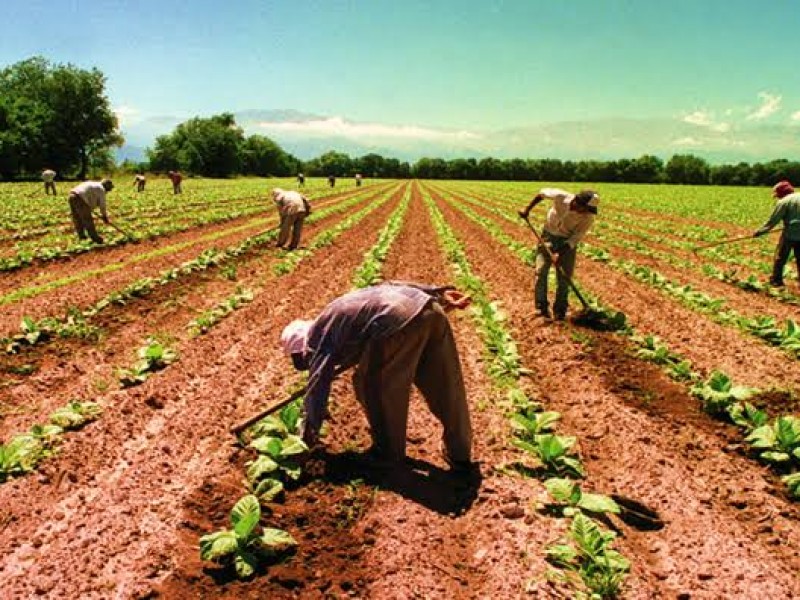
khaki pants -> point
(423, 353)
(566, 260)
(294, 224)
(82, 219)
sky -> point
(582, 78)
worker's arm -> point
(321, 374)
(532, 204)
(102, 206)
(774, 219)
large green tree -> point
(53, 115)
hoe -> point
(588, 317)
(129, 236)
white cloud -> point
(687, 141)
(703, 118)
(770, 103)
(337, 126)
(796, 116)
(126, 114)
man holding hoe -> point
(787, 210)
(395, 334)
(83, 199)
(568, 220)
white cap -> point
(276, 192)
(294, 337)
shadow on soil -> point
(446, 492)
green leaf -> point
(245, 516)
(276, 539)
(598, 503)
(260, 467)
(293, 445)
(218, 545)
(268, 445)
(563, 490)
(268, 489)
(245, 563)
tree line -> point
(59, 117)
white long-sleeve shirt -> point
(94, 194)
(290, 202)
(562, 221)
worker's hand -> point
(555, 256)
(452, 299)
(106, 220)
(523, 214)
(758, 233)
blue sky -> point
(706, 76)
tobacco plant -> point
(243, 546)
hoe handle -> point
(728, 241)
(242, 425)
(571, 283)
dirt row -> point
(730, 530)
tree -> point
(261, 156)
(686, 168)
(53, 115)
(207, 147)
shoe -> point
(561, 317)
(543, 312)
(774, 283)
(457, 466)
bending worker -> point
(83, 199)
(397, 334)
(787, 209)
(293, 209)
(568, 221)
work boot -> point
(543, 312)
(776, 283)
(561, 316)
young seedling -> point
(243, 546)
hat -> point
(276, 192)
(781, 189)
(107, 184)
(589, 199)
(294, 337)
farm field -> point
(689, 405)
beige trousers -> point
(291, 224)
(423, 353)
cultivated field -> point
(125, 365)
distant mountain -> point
(307, 136)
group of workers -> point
(397, 334)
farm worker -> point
(568, 220)
(331, 180)
(301, 180)
(83, 199)
(293, 208)
(175, 177)
(787, 209)
(395, 334)
(48, 176)
(358, 179)
(139, 181)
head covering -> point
(588, 199)
(107, 184)
(276, 192)
(295, 336)
(781, 189)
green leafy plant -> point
(778, 442)
(569, 496)
(587, 553)
(152, 357)
(75, 414)
(243, 546)
(553, 452)
(719, 394)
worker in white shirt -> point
(568, 220)
(48, 176)
(83, 199)
(293, 208)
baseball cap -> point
(294, 337)
(781, 189)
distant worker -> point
(568, 221)
(175, 177)
(293, 208)
(396, 334)
(83, 199)
(139, 182)
(48, 176)
(358, 179)
(787, 209)
(331, 180)
(301, 180)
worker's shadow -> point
(446, 492)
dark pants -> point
(566, 262)
(49, 186)
(782, 251)
(82, 219)
(424, 354)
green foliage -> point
(778, 442)
(243, 546)
(568, 494)
(152, 357)
(719, 394)
(587, 553)
(75, 414)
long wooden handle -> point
(728, 241)
(242, 425)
